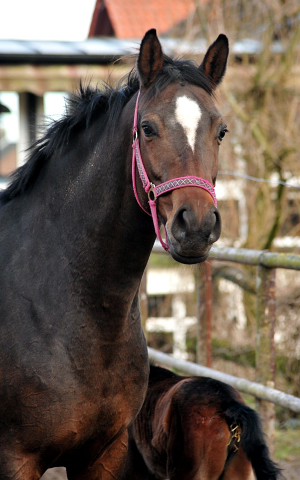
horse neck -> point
(109, 231)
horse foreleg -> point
(17, 466)
(135, 467)
(108, 466)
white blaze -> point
(188, 114)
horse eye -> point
(222, 134)
(147, 131)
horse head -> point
(179, 132)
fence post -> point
(208, 300)
(265, 349)
(201, 324)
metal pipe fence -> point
(259, 391)
(256, 257)
(249, 257)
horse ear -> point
(215, 60)
(150, 59)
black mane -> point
(83, 107)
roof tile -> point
(131, 19)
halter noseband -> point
(154, 191)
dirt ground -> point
(291, 471)
(55, 474)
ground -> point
(287, 455)
(291, 470)
(55, 474)
(287, 450)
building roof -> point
(131, 19)
(90, 51)
(102, 51)
(42, 66)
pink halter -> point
(154, 191)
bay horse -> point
(196, 428)
(76, 234)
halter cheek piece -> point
(154, 191)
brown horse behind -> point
(196, 428)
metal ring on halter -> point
(152, 191)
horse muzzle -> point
(190, 239)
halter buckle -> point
(151, 192)
(135, 135)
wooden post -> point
(208, 300)
(204, 300)
(31, 111)
(201, 326)
(265, 349)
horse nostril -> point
(185, 219)
(215, 226)
(182, 223)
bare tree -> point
(263, 91)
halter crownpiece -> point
(154, 191)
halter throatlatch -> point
(154, 191)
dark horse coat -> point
(196, 428)
(74, 243)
